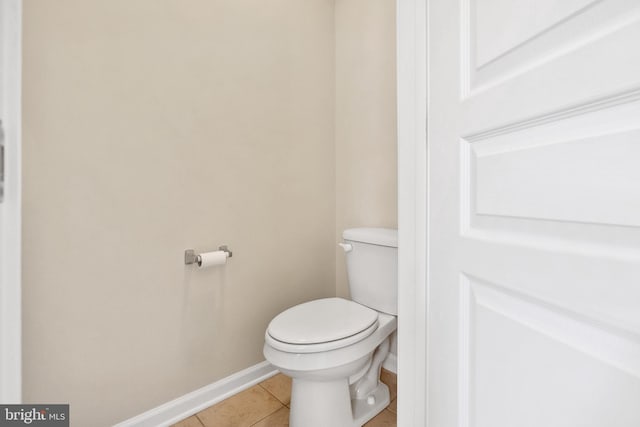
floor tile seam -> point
(276, 397)
(268, 415)
(198, 418)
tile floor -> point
(267, 405)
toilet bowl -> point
(336, 369)
(333, 348)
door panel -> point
(552, 170)
(577, 62)
(528, 21)
(535, 365)
(534, 222)
(591, 180)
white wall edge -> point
(191, 403)
(10, 210)
(412, 211)
(391, 363)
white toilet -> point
(333, 348)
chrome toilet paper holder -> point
(191, 257)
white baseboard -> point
(391, 363)
(191, 403)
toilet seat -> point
(321, 325)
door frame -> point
(413, 295)
(10, 238)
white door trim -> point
(412, 211)
(10, 243)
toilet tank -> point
(372, 267)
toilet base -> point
(328, 403)
(364, 409)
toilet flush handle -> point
(346, 246)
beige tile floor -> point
(267, 405)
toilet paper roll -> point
(209, 259)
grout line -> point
(276, 397)
(198, 418)
(282, 405)
(267, 416)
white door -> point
(10, 342)
(534, 213)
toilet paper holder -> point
(191, 257)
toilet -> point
(333, 348)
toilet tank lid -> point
(372, 235)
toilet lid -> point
(321, 321)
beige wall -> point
(365, 120)
(152, 126)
